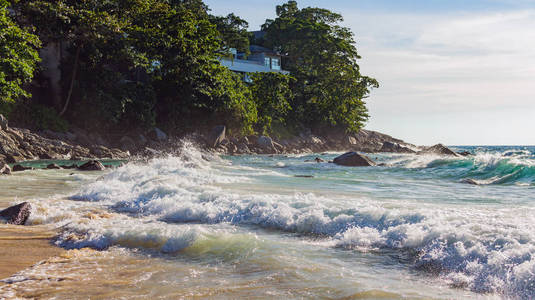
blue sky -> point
(460, 72)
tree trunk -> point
(72, 81)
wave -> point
(161, 205)
(483, 168)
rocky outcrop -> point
(53, 167)
(394, 148)
(92, 165)
(216, 136)
(158, 135)
(3, 122)
(16, 215)
(19, 168)
(265, 143)
(353, 159)
(438, 149)
(4, 169)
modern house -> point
(260, 60)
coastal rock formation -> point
(438, 149)
(353, 159)
(158, 135)
(53, 167)
(4, 169)
(19, 168)
(3, 122)
(18, 214)
(266, 143)
(394, 148)
(92, 165)
(216, 136)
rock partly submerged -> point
(18, 214)
(439, 149)
(353, 159)
(4, 169)
(92, 165)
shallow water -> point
(225, 227)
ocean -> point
(201, 225)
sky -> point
(458, 72)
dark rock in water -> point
(158, 135)
(19, 168)
(216, 136)
(317, 159)
(5, 169)
(469, 181)
(304, 176)
(438, 149)
(18, 214)
(92, 165)
(394, 148)
(73, 166)
(464, 153)
(53, 167)
(353, 159)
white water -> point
(413, 226)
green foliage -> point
(233, 32)
(18, 58)
(273, 97)
(329, 89)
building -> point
(260, 60)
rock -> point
(266, 143)
(19, 168)
(127, 143)
(53, 167)
(92, 165)
(469, 181)
(464, 153)
(18, 214)
(3, 122)
(351, 140)
(73, 166)
(158, 135)
(5, 169)
(142, 140)
(353, 159)
(438, 149)
(216, 136)
(394, 148)
(304, 176)
(317, 160)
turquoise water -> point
(277, 226)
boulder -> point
(394, 148)
(5, 169)
(92, 165)
(127, 143)
(353, 159)
(464, 153)
(73, 166)
(18, 214)
(317, 160)
(3, 122)
(265, 142)
(351, 140)
(19, 168)
(53, 167)
(216, 136)
(158, 135)
(438, 149)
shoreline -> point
(24, 246)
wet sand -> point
(23, 246)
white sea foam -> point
(487, 249)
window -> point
(275, 64)
(267, 63)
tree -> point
(232, 32)
(273, 97)
(18, 57)
(329, 88)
